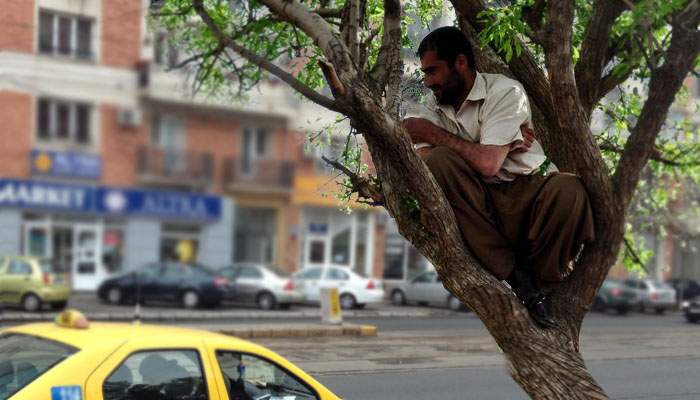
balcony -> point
(261, 176)
(183, 169)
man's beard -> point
(453, 88)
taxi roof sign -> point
(72, 319)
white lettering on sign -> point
(174, 205)
(42, 196)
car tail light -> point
(288, 287)
(371, 285)
(615, 292)
(220, 281)
(46, 278)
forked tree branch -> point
(261, 61)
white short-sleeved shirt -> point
(492, 114)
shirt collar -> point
(478, 91)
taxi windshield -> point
(24, 358)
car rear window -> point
(661, 285)
(24, 358)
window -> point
(113, 249)
(341, 247)
(255, 145)
(164, 52)
(179, 243)
(65, 35)
(166, 374)
(249, 273)
(63, 121)
(313, 273)
(425, 278)
(19, 267)
(25, 358)
(152, 271)
(335, 274)
(250, 377)
(254, 236)
(168, 135)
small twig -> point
(363, 186)
(635, 257)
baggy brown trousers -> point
(538, 222)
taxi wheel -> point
(190, 299)
(266, 301)
(347, 301)
(115, 296)
(31, 302)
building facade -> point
(109, 162)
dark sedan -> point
(691, 308)
(190, 285)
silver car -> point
(425, 289)
(659, 296)
(263, 286)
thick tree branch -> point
(594, 51)
(329, 12)
(656, 155)
(388, 69)
(663, 86)
(364, 187)
(319, 31)
(610, 82)
(261, 61)
(350, 27)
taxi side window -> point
(157, 375)
(19, 267)
(248, 377)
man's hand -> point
(528, 139)
(420, 130)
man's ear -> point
(462, 64)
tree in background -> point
(346, 56)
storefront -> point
(97, 231)
(331, 237)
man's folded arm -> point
(485, 159)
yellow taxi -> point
(73, 359)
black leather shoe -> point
(540, 310)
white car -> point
(355, 291)
(425, 289)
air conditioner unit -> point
(129, 117)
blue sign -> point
(66, 393)
(104, 200)
(69, 164)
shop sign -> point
(108, 200)
(158, 204)
(68, 164)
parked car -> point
(31, 282)
(686, 289)
(659, 296)
(424, 289)
(616, 296)
(355, 291)
(691, 309)
(73, 358)
(263, 286)
(190, 285)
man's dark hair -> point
(449, 42)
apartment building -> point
(109, 162)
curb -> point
(301, 331)
(176, 316)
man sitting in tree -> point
(521, 218)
